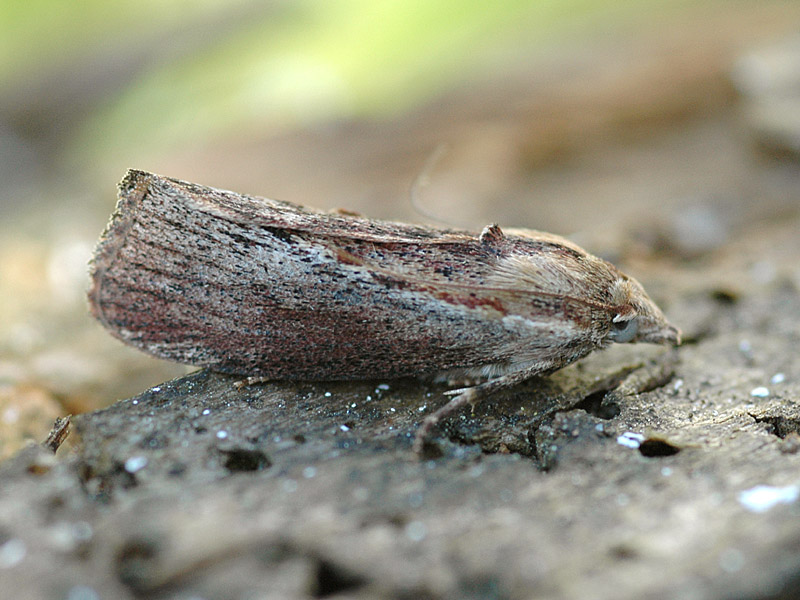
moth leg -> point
(248, 381)
(467, 396)
(472, 396)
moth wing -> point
(261, 287)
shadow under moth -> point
(271, 290)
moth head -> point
(636, 318)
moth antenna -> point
(422, 180)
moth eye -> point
(624, 331)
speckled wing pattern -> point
(265, 288)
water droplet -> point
(12, 553)
(629, 439)
(10, 415)
(82, 592)
(82, 531)
(761, 498)
(416, 531)
(135, 463)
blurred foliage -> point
(36, 32)
(231, 66)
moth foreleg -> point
(472, 396)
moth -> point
(268, 289)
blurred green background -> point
(91, 81)
(594, 118)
